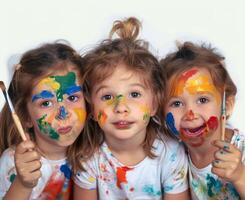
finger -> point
(226, 156)
(24, 146)
(226, 146)
(218, 171)
(27, 156)
(27, 169)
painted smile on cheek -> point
(46, 128)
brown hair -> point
(191, 55)
(33, 65)
(101, 63)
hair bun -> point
(185, 53)
(126, 29)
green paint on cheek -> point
(12, 177)
(65, 82)
(46, 128)
(146, 117)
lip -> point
(64, 130)
(193, 132)
(122, 124)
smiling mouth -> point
(194, 132)
(64, 130)
(122, 124)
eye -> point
(46, 104)
(135, 94)
(202, 100)
(176, 104)
(72, 98)
(107, 97)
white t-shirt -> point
(55, 182)
(149, 179)
(206, 185)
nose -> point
(189, 116)
(62, 113)
(120, 105)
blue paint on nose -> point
(62, 113)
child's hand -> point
(27, 162)
(228, 162)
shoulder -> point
(7, 156)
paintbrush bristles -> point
(14, 115)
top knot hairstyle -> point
(190, 55)
(122, 48)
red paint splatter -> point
(131, 189)
(121, 175)
(212, 123)
(186, 75)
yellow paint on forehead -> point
(49, 82)
(81, 113)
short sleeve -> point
(87, 179)
(7, 172)
(175, 168)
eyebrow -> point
(132, 85)
(73, 89)
(45, 94)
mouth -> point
(194, 132)
(122, 124)
(64, 130)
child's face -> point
(123, 105)
(57, 108)
(194, 108)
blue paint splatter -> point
(73, 89)
(66, 170)
(45, 94)
(62, 113)
(171, 124)
(149, 189)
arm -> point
(228, 165)
(180, 196)
(84, 194)
(28, 171)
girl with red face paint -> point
(197, 80)
(124, 154)
(46, 91)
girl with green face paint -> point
(47, 94)
(194, 111)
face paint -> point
(212, 123)
(190, 115)
(62, 85)
(62, 113)
(102, 117)
(46, 128)
(146, 113)
(171, 124)
(42, 95)
(81, 114)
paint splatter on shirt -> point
(55, 183)
(205, 185)
(149, 179)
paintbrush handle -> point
(223, 122)
(19, 126)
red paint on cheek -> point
(212, 123)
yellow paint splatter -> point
(50, 82)
(81, 113)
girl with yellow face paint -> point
(47, 94)
(197, 81)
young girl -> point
(47, 95)
(126, 158)
(197, 80)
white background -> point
(27, 23)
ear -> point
(154, 107)
(230, 102)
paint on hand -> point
(46, 128)
(62, 114)
(102, 117)
(171, 124)
(42, 95)
(121, 175)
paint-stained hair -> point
(201, 56)
(33, 65)
(102, 61)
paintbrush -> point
(223, 116)
(14, 115)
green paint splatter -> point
(65, 82)
(46, 128)
(146, 117)
(12, 177)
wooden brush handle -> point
(19, 126)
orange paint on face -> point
(190, 115)
(51, 118)
(81, 113)
(102, 117)
(121, 175)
